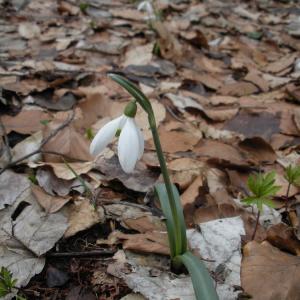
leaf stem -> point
(256, 226)
(168, 183)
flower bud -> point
(130, 109)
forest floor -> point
(223, 79)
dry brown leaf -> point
(220, 152)
(65, 7)
(288, 124)
(238, 89)
(141, 179)
(29, 30)
(184, 170)
(67, 142)
(93, 108)
(283, 237)
(281, 64)
(196, 38)
(83, 215)
(55, 186)
(258, 80)
(276, 81)
(169, 46)
(266, 124)
(220, 114)
(128, 14)
(182, 102)
(223, 100)
(26, 122)
(149, 242)
(192, 192)
(27, 86)
(205, 78)
(268, 274)
(145, 224)
(27, 146)
(140, 55)
(258, 150)
(61, 170)
(175, 141)
(50, 203)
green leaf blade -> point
(201, 279)
(175, 247)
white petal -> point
(129, 146)
(104, 136)
(141, 142)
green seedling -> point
(7, 283)
(83, 6)
(45, 122)
(89, 134)
(292, 175)
(33, 179)
(262, 188)
(156, 49)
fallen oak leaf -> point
(149, 242)
(25, 122)
(50, 203)
(83, 215)
(61, 170)
(274, 266)
(67, 142)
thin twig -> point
(6, 142)
(103, 252)
(140, 206)
(61, 155)
(43, 143)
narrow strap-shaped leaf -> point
(162, 194)
(165, 206)
(201, 279)
(133, 91)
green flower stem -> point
(167, 180)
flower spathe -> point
(147, 7)
(131, 141)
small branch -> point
(43, 143)
(6, 142)
(140, 206)
(256, 226)
(105, 252)
(61, 155)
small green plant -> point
(7, 283)
(32, 178)
(89, 134)
(156, 49)
(292, 175)
(262, 188)
(45, 122)
(83, 6)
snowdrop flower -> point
(131, 141)
(147, 7)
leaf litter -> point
(224, 82)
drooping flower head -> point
(147, 6)
(131, 141)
